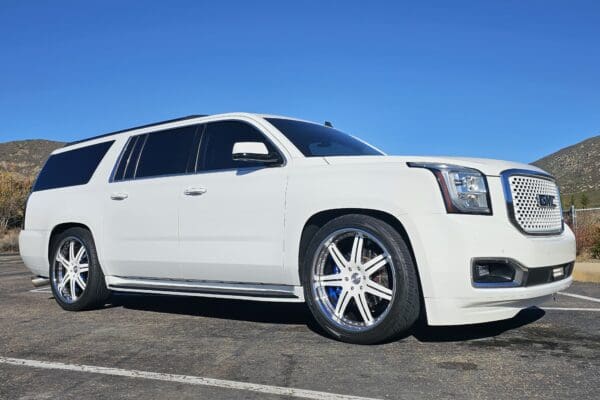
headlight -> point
(465, 190)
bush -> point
(13, 194)
(588, 240)
(595, 250)
(9, 241)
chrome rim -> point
(71, 270)
(353, 279)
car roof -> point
(134, 128)
(188, 117)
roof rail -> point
(134, 128)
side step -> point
(229, 290)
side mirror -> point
(254, 152)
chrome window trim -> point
(277, 147)
(505, 176)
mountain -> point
(576, 168)
(26, 157)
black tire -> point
(403, 308)
(95, 293)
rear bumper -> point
(34, 251)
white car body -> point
(243, 233)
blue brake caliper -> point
(334, 291)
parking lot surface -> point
(145, 347)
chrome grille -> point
(530, 202)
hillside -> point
(26, 157)
(577, 169)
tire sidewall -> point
(95, 275)
(404, 281)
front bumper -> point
(445, 245)
(492, 305)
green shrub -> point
(595, 250)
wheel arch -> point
(316, 221)
(319, 219)
(62, 227)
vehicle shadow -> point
(424, 333)
(274, 313)
(298, 314)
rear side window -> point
(166, 152)
(129, 158)
(71, 168)
(218, 141)
(125, 158)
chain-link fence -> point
(582, 217)
(585, 222)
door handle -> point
(194, 191)
(119, 196)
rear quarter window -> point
(71, 168)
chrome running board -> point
(237, 290)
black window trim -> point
(120, 158)
(198, 149)
(199, 137)
(126, 150)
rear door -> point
(232, 213)
(141, 215)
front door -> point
(231, 216)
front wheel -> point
(359, 280)
(76, 278)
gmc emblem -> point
(546, 200)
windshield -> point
(320, 141)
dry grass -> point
(588, 241)
(9, 241)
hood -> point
(489, 167)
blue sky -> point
(506, 79)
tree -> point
(13, 194)
(572, 201)
(584, 200)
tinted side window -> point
(166, 152)
(218, 141)
(132, 162)
(71, 168)
(124, 159)
(128, 161)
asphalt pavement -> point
(146, 347)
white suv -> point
(271, 208)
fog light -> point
(496, 273)
(558, 273)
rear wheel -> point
(359, 280)
(76, 278)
